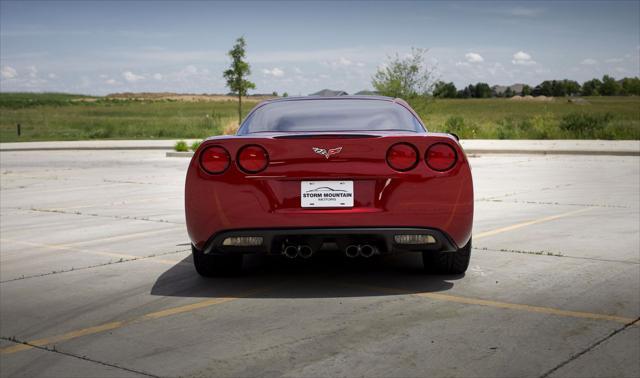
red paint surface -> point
(384, 197)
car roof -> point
(315, 98)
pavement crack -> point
(80, 357)
(589, 348)
(73, 269)
(59, 211)
(553, 254)
(554, 203)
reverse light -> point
(242, 241)
(253, 159)
(414, 239)
(402, 156)
(441, 157)
(215, 160)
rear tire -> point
(216, 265)
(447, 262)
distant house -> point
(368, 93)
(499, 90)
(329, 93)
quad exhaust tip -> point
(293, 251)
(364, 250)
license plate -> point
(326, 194)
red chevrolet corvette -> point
(359, 176)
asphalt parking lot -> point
(96, 280)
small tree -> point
(404, 77)
(526, 90)
(237, 73)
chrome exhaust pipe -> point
(352, 251)
(367, 250)
(305, 251)
(291, 251)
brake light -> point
(402, 157)
(253, 159)
(441, 157)
(214, 160)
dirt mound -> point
(186, 97)
(531, 98)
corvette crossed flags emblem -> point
(327, 153)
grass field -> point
(74, 117)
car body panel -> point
(384, 197)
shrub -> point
(181, 146)
(583, 125)
(195, 145)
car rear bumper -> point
(383, 238)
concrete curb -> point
(498, 151)
(82, 148)
(186, 154)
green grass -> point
(55, 116)
(597, 118)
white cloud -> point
(360, 64)
(614, 60)
(525, 12)
(297, 70)
(8, 72)
(131, 77)
(462, 64)
(344, 61)
(589, 62)
(275, 72)
(33, 72)
(111, 82)
(523, 59)
(473, 57)
(157, 76)
(52, 76)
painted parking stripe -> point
(503, 305)
(119, 324)
(529, 223)
(87, 251)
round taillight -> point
(253, 159)
(402, 156)
(214, 160)
(441, 157)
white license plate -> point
(326, 194)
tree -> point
(508, 92)
(631, 86)
(526, 90)
(405, 77)
(482, 90)
(610, 87)
(237, 73)
(445, 90)
(591, 87)
(285, 94)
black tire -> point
(216, 265)
(447, 262)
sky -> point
(100, 47)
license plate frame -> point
(326, 194)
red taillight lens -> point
(253, 159)
(441, 157)
(402, 157)
(214, 160)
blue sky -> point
(100, 47)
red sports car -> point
(359, 176)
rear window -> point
(330, 115)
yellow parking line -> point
(90, 252)
(125, 236)
(505, 305)
(119, 324)
(528, 223)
